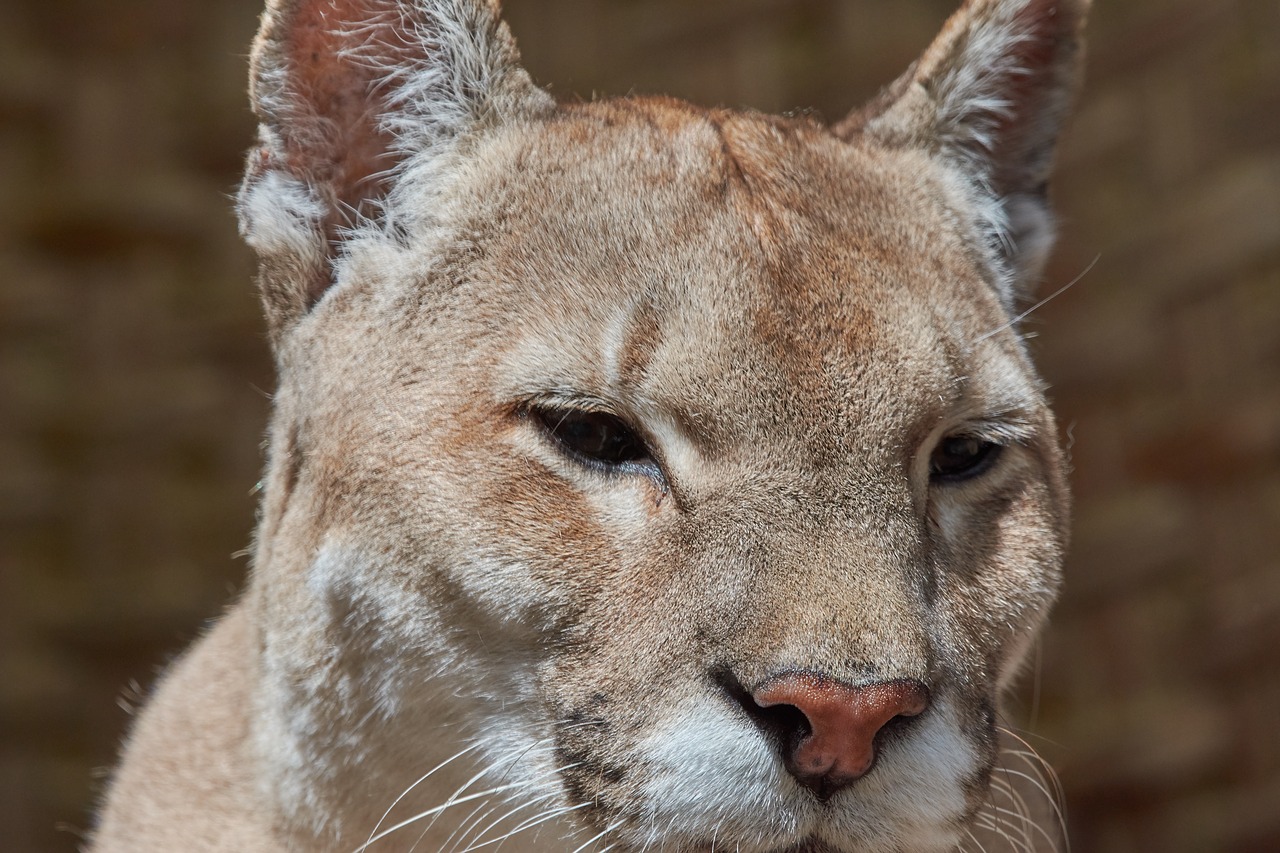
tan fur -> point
(792, 318)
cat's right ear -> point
(352, 96)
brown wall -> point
(133, 370)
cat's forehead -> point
(654, 161)
(715, 209)
(718, 262)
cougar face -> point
(646, 476)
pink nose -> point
(840, 745)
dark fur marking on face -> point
(586, 774)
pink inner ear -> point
(331, 127)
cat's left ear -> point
(989, 97)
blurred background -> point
(134, 370)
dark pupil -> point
(597, 436)
(960, 456)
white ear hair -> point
(445, 67)
(350, 94)
(989, 98)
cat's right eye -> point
(597, 438)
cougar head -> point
(668, 478)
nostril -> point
(783, 725)
(786, 721)
(786, 725)
(896, 724)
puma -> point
(641, 476)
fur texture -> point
(462, 629)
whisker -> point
(1036, 763)
(511, 765)
(997, 826)
(521, 807)
(1017, 818)
(593, 839)
(1040, 786)
(437, 810)
(1028, 824)
(467, 824)
(406, 791)
(457, 799)
(1045, 778)
(1043, 302)
(528, 824)
(981, 847)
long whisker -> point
(1017, 818)
(1045, 777)
(406, 791)
(1035, 762)
(1001, 828)
(1027, 825)
(528, 824)
(981, 847)
(1052, 296)
(519, 808)
(467, 824)
(1040, 786)
(437, 810)
(593, 839)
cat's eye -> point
(962, 457)
(597, 438)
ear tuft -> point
(989, 97)
(348, 93)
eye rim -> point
(551, 419)
(981, 462)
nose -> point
(831, 741)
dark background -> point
(134, 370)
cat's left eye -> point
(962, 457)
(597, 438)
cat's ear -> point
(989, 97)
(352, 95)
